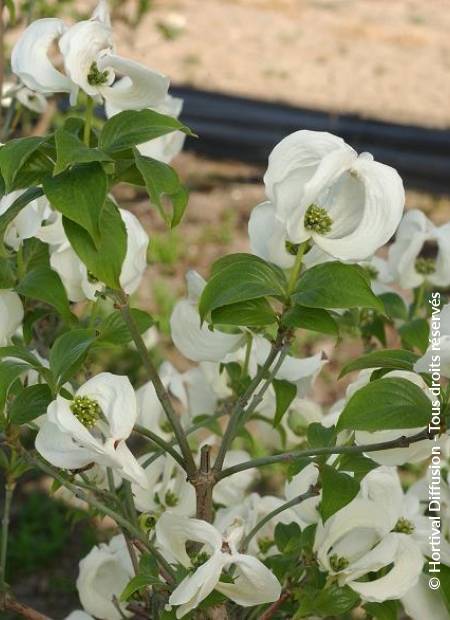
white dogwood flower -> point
(251, 510)
(367, 535)
(194, 340)
(103, 574)
(89, 62)
(421, 252)
(28, 221)
(11, 315)
(251, 584)
(299, 484)
(422, 602)
(166, 147)
(169, 489)
(319, 189)
(30, 99)
(74, 274)
(93, 427)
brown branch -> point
(271, 611)
(11, 604)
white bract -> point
(103, 574)
(36, 102)
(78, 283)
(28, 221)
(252, 584)
(370, 534)
(11, 315)
(319, 189)
(93, 427)
(421, 252)
(195, 340)
(89, 61)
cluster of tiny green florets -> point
(96, 77)
(425, 266)
(265, 543)
(317, 220)
(338, 563)
(404, 526)
(86, 409)
(199, 559)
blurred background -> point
(376, 72)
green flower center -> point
(338, 563)
(317, 220)
(425, 266)
(404, 526)
(199, 559)
(171, 499)
(96, 77)
(265, 543)
(86, 409)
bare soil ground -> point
(382, 58)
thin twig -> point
(160, 442)
(288, 457)
(11, 604)
(9, 490)
(271, 611)
(160, 390)
(312, 492)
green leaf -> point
(386, 404)
(79, 194)
(10, 371)
(250, 313)
(69, 352)
(331, 601)
(20, 203)
(7, 274)
(394, 359)
(113, 330)
(162, 183)
(285, 393)
(70, 150)
(35, 254)
(335, 285)
(338, 490)
(45, 285)
(22, 354)
(394, 306)
(415, 334)
(104, 260)
(12, 11)
(357, 463)
(13, 156)
(312, 319)
(240, 277)
(388, 610)
(136, 584)
(320, 436)
(132, 127)
(30, 404)
(286, 536)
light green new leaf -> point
(80, 194)
(104, 261)
(114, 331)
(132, 127)
(386, 404)
(162, 183)
(335, 285)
